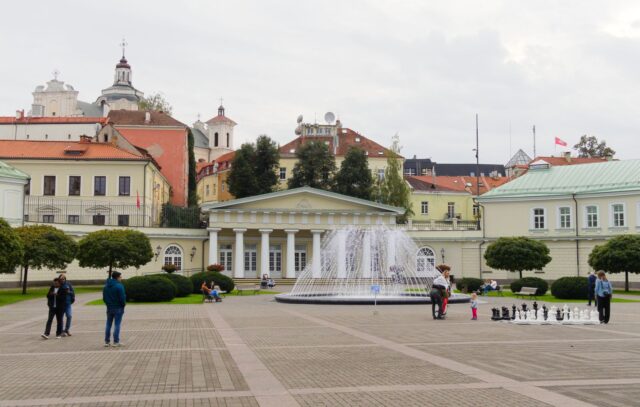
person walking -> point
(438, 292)
(604, 290)
(474, 307)
(591, 287)
(115, 299)
(70, 299)
(56, 300)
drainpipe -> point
(203, 263)
(144, 194)
(573, 196)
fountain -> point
(366, 266)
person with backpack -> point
(115, 299)
(70, 299)
(57, 302)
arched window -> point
(425, 260)
(173, 255)
(215, 140)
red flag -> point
(561, 142)
(137, 199)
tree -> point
(44, 246)
(354, 178)
(517, 254)
(192, 197)
(617, 255)
(12, 249)
(393, 190)
(155, 102)
(242, 180)
(114, 248)
(588, 146)
(315, 167)
(267, 162)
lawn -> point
(190, 299)
(630, 292)
(13, 295)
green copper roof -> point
(7, 171)
(610, 176)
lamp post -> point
(442, 254)
(157, 253)
(193, 252)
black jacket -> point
(60, 298)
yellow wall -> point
(438, 205)
(216, 185)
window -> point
(539, 221)
(410, 171)
(27, 187)
(381, 174)
(476, 211)
(99, 220)
(250, 259)
(124, 186)
(73, 219)
(206, 190)
(226, 257)
(591, 213)
(275, 258)
(74, 185)
(173, 255)
(564, 217)
(222, 186)
(123, 220)
(100, 185)
(49, 185)
(228, 143)
(425, 260)
(451, 210)
(617, 215)
(215, 140)
(283, 173)
(48, 218)
(300, 258)
(425, 207)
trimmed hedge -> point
(225, 282)
(469, 284)
(183, 284)
(149, 289)
(541, 285)
(570, 288)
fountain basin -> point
(328, 298)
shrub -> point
(183, 284)
(469, 284)
(169, 268)
(149, 289)
(226, 283)
(541, 285)
(215, 267)
(570, 288)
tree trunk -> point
(520, 274)
(24, 280)
(626, 281)
(110, 267)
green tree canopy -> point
(155, 102)
(12, 249)
(393, 190)
(242, 180)
(44, 246)
(589, 146)
(617, 255)
(517, 254)
(315, 168)
(267, 161)
(114, 248)
(354, 178)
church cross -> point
(123, 44)
(221, 100)
(55, 74)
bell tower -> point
(220, 132)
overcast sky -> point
(422, 69)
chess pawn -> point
(576, 313)
(545, 312)
(559, 315)
(516, 316)
(552, 315)
(594, 316)
(570, 315)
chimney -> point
(147, 117)
(85, 139)
(567, 156)
(19, 114)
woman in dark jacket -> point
(57, 302)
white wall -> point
(51, 132)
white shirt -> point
(441, 281)
(494, 284)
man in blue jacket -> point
(115, 300)
(71, 298)
(591, 287)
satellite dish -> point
(329, 117)
(299, 119)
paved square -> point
(252, 351)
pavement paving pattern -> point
(252, 351)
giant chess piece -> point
(545, 312)
(552, 315)
(576, 313)
(524, 307)
(559, 315)
(505, 313)
(495, 314)
(594, 316)
(513, 311)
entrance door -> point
(275, 261)
(250, 260)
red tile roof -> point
(169, 148)
(64, 150)
(346, 138)
(556, 161)
(221, 119)
(137, 118)
(425, 183)
(458, 184)
(52, 120)
(224, 163)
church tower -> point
(220, 133)
(122, 94)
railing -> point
(442, 225)
(105, 213)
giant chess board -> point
(545, 316)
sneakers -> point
(58, 337)
(44, 336)
(117, 345)
(64, 334)
(67, 333)
(107, 344)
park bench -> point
(206, 298)
(254, 289)
(526, 291)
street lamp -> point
(193, 252)
(442, 254)
(157, 253)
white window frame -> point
(69, 184)
(425, 262)
(559, 217)
(300, 258)
(283, 173)
(612, 215)
(176, 259)
(275, 258)
(586, 216)
(533, 218)
(106, 185)
(251, 259)
(225, 257)
(424, 205)
(55, 185)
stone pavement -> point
(252, 351)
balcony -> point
(443, 225)
(105, 213)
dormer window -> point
(293, 150)
(380, 152)
(357, 139)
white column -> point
(213, 246)
(316, 263)
(264, 251)
(366, 255)
(391, 251)
(238, 260)
(341, 261)
(291, 249)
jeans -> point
(113, 315)
(436, 299)
(604, 308)
(57, 313)
(68, 314)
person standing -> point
(591, 287)
(438, 293)
(115, 299)
(474, 307)
(603, 294)
(56, 300)
(70, 299)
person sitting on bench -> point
(215, 293)
(490, 285)
(206, 291)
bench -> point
(526, 291)
(207, 298)
(254, 289)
